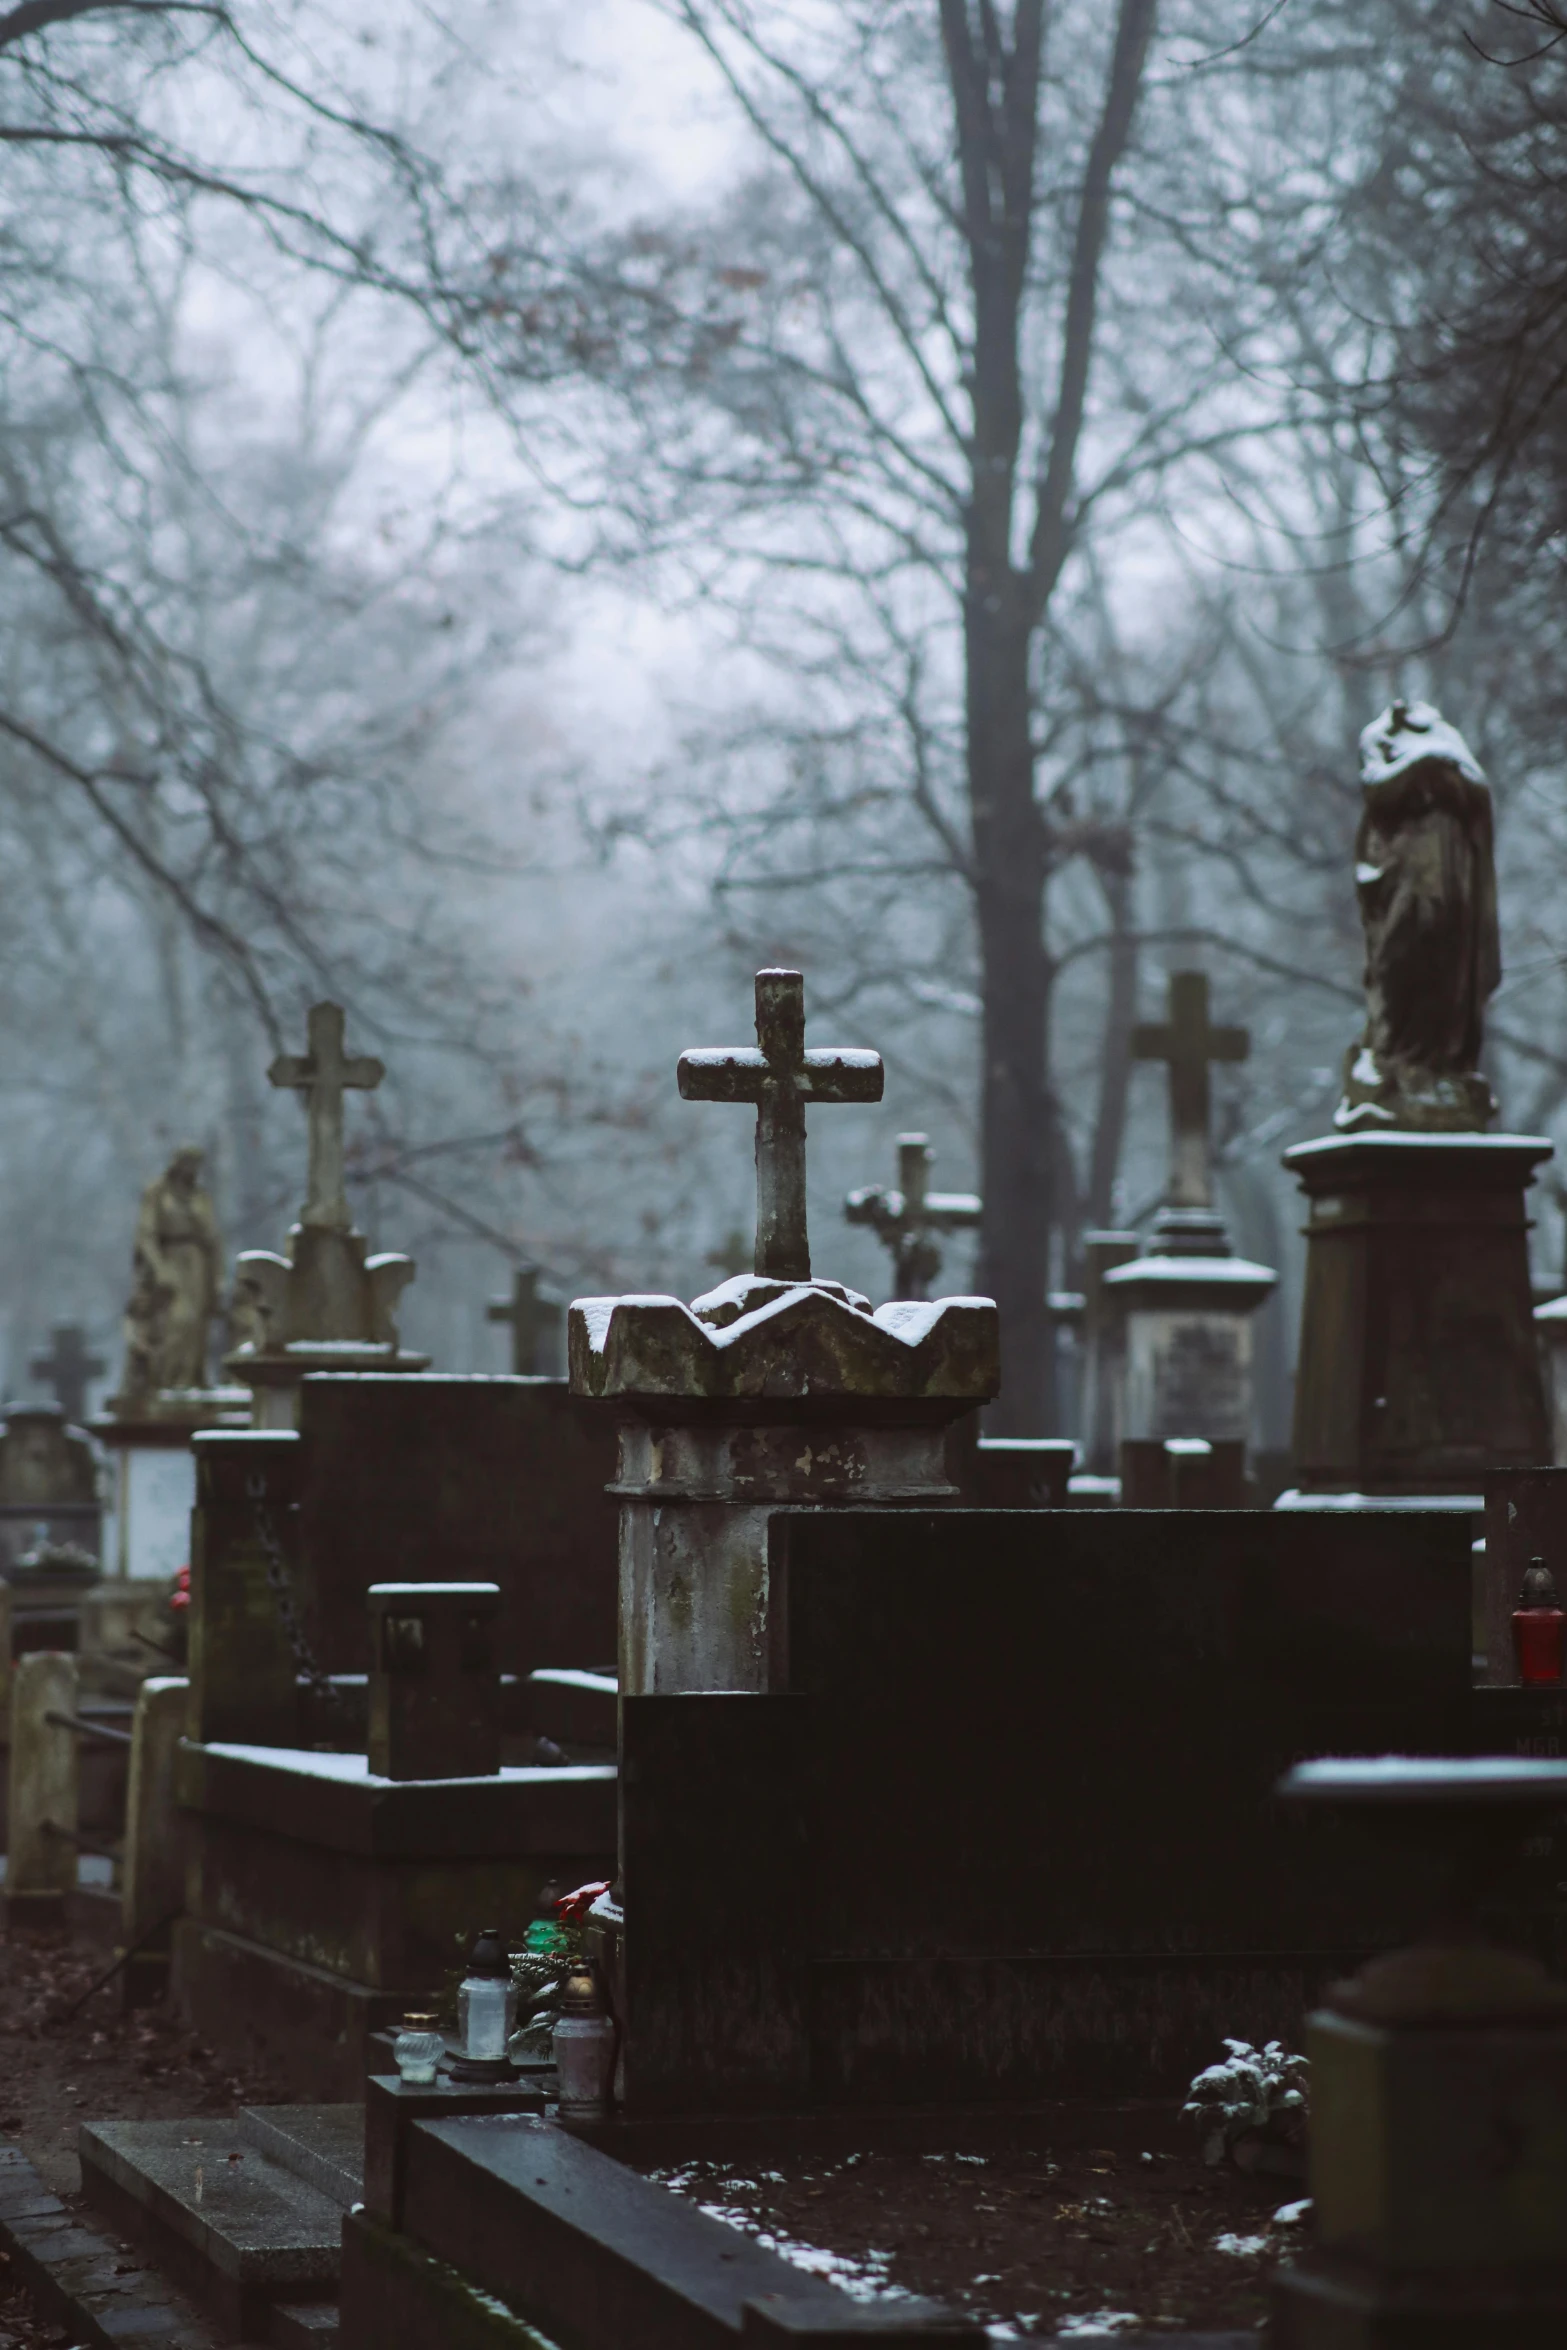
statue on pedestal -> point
(177, 1259)
(1426, 881)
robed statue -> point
(1426, 880)
(178, 1262)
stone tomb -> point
(48, 1485)
(1035, 1851)
(324, 1898)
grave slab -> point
(236, 2230)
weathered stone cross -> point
(905, 1220)
(321, 1074)
(68, 1367)
(779, 1076)
(1189, 1045)
(535, 1323)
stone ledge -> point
(71, 2273)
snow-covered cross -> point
(905, 1220)
(779, 1077)
(68, 1367)
(322, 1074)
(1189, 1045)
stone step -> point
(304, 2325)
(234, 2228)
(322, 2144)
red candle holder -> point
(1539, 1629)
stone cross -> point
(906, 1220)
(1189, 1045)
(779, 1076)
(68, 1367)
(321, 1074)
(535, 1324)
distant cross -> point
(322, 1074)
(68, 1368)
(535, 1325)
(779, 1077)
(906, 1221)
(733, 1254)
(1187, 1042)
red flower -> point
(572, 1908)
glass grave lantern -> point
(486, 2013)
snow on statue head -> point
(1426, 881)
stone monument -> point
(1419, 1368)
(163, 1391)
(1186, 1304)
(907, 1219)
(535, 1323)
(68, 1367)
(326, 1306)
(774, 1388)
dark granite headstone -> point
(1035, 1851)
(1182, 1473)
(1021, 1473)
(426, 1478)
(435, 1687)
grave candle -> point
(486, 2011)
(418, 2049)
(1539, 1627)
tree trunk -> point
(1009, 862)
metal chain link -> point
(281, 1586)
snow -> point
(422, 1590)
(1407, 733)
(1439, 1776)
(353, 1770)
(1294, 1499)
(1204, 1270)
(1405, 1139)
(1243, 2247)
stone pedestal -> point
(1186, 1310)
(760, 1395)
(148, 1535)
(1419, 1368)
(326, 1306)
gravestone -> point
(1104, 1350)
(1035, 1851)
(327, 1305)
(1182, 1473)
(435, 1680)
(1419, 1367)
(325, 1897)
(48, 1485)
(68, 1368)
(907, 1219)
(1186, 1305)
(773, 1388)
(537, 1326)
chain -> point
(282, 1589)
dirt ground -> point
(1037, 2243)
(57, 2070)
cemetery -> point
(667, 1694)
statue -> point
(1426, 883)
(177, 1264)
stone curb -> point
(71, 2272)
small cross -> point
(321, 1074)
(905, 1220)
(1187, 1042)
(779, 1076)
(68, 1368)
(535, 1325)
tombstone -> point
(326, 1305)
(48, 1485)
(1104, 1350)
(1419, 1367)
(325, 1897)
(435, 1680)
(907, 1219)
(68, 1368)
(1125, 1689)
(152, 1889)
(773, 1388)
(1186, 1305)
(536, 1324)
(1182, 1473)
(42, 1792)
